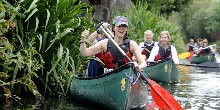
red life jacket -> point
(145, 52)
(113, 57)
(202, 52)
(100, 55)
(190, 49)
(163, 54)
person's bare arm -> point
(98, 47)
(136, 51)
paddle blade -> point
(163, 98)
(184, 55)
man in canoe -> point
(208, 49)
(199, 47)
(148, 43)
(164, 50)
(113, 57)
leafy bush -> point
(140, 20)
(45, 43)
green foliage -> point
(165, 6)
(45, 42)
(199, 19)
(213, 18)
(144, 20)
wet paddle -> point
(161, 97)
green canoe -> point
(201, 59)
(164, 72)
(117, 90)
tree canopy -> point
(166, 6)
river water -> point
(197, 90)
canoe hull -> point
(165, 72)
(113, 90)
(202, 59)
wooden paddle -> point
(161, 97)
(184, 55)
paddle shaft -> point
(198, 65)
(204, 48)
(141, 73)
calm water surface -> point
(197, 90)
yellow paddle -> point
(183, 55)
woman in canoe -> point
(113, 57)
(148, 43)
(191, 45)
(164, 50)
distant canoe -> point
(197, 59)
(114, 90)
(165, 72)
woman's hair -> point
(149, 32)
(168, 35)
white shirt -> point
(155, 51)
(141, 45)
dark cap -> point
(119, 20)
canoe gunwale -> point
(129, 94)
(115, 71)
(169, 75)
(203, 58)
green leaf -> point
(34, 11)
(44, 40)
(19, 38)
(60, 52)
(33, 5)
(48, 17)
(37, 23)
(39, 36)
